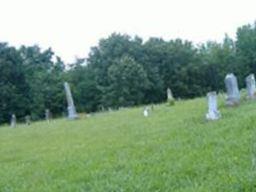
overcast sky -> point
(71, 27)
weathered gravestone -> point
(213, 113)
(13, 121)
(233, 95)
(170, 98)
(250, 86)
(47, 115)
(71, 107)
(27, 119)
(102, 108)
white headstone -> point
(250, 86)
(233, 95)
(88, 115)
(146, 112)
(47, 115)
(170, 98)
(169, 94)
(213, 113)
(71, 107)
(13, 121)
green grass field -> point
(174, 149)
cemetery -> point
(174, 148)
(132, 113)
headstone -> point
(213, 113)
(88, 115)
(47, 115)
(13, 121)
(102, 108)
(233, 95)
(170, 98)
(28, 119)
(250, 86)
(146, 112)
(71, 107)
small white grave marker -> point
(13, 121)
(146, 112)
(250, 86)
(170, 98)
(213, 113)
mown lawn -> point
(174, 149)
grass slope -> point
(174, 149)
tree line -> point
(120, 71)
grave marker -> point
(213, 113)
(233, 95)
(13, 121)
(250, 86)
(71, 107)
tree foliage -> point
(120, 71)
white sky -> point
(71, 27)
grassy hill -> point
(174, 149)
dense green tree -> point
(171, 59)
(246, 50)
(44, 79)
(13, 95)
(216, 60)
(120, 71)
(30, 82)
(109, 50)
(86, 91)
(127, 84)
